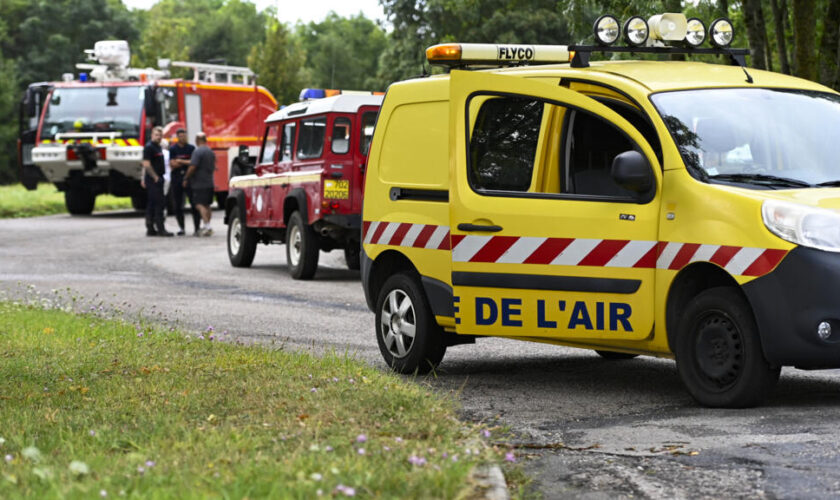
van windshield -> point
(94, 109)
(766, 138)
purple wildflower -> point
(418, 461)
(361, 438)
(485, 433)
(361, 451)
(510, 457)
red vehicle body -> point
(90, 134)
(306, 190)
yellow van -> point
(667, 208)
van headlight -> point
(802, 224)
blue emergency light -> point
(83, 77)
(306, 94)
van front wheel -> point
(718, 351)
(409, 338)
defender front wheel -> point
(241, 240)
(718, 351)
(301, 248)
(409, 338)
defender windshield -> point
(98, 109)
(766, 138)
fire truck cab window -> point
(504, 141)
(340, 136)
(76, 110)
(287, 142)
(270, 145)
(368, 122)
(311, 140)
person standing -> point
(199, 177)
(154, 168)
(180, 154)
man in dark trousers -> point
(179, 159)
(154, 168)
(199, 177)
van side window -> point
(340, 139)
(368, 121)
(503, 145)
(287, 143)
(591, 146)
(270, 145)
(311, 140)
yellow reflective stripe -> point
(232, 138)
(273, 181)
(133, 142)
(121, 142)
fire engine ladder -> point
(217, 73)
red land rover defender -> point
(306, 189)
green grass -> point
(16, 201)
(143, 412)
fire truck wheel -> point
(352, 255)
(409, 338)
(612, 355)
(241, 240)
(301, 248)
(718, 351)
(79, 201)
(138, 201)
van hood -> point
(816, 197)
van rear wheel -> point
(409, 338)
(718, 351)
(302, 250)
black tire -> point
(353, 255)
(718, 351)
(79, 201)
(138, 201)
(614, 356)
(401, 352)
(302, 249)
(221, 198)
(241, 240)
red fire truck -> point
(306, 190)
(86, 135)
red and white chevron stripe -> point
(403, 234)
(738, 261)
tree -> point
(278, 62)
(779, 26)
(342, 52)
(8, 114)
(804, 36)
(830, 46)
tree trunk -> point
(723, 7)
(829, 44)
(762, 24)
(804, 36)
(754, 30)
(779, 26)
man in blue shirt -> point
(154, 168)
(179, 159)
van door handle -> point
(477, 227)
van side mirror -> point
(632, 171)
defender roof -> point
(345, 103)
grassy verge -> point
(91, 406)
(16, 201)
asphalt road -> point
(584, 427)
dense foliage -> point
(799, 37)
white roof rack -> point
(347, 103)
(204, 72)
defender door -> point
(544, 242)
(259, 191)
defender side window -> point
(269, 145)
(311, 140)
(503, 146)
(340, 139)
(287, 142)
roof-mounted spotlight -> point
(721, 32)
(668, 27)
(606, 29)
(695, 32)
(636, 31)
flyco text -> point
(609, 316)
(514, 52)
